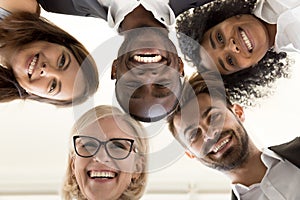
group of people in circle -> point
(236, 47)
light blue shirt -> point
(281, 181)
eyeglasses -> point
(116, 148)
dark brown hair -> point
(209, 82)
(22, 28)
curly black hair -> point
(245, 86)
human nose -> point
(101, 155)
(147, 70)
(43, 70)
(210, 134)
(46, 70)
(233, 46)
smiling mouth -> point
(102, 174)
(146, 56)
(32, 65)
(218, 146)
(246, 40)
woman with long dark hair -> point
(40, 61)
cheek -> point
(261, 52)
(127, 165)
(79, 170)
(23, 83)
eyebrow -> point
(64, 69)
(212, 43)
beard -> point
(234, 157)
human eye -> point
(89, 144)
(215, 117)
(194, 135)
(62, 61)
(230, 61)
(118, 145)
(220, 38)
(53, 85)
(162, 85)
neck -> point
(251, 172)
(139, 17)
(20, 6)
(272, 30)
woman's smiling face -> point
(48, 70)
(236, 43)
(100, 176)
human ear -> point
(239, 112)
(114, 70)
(189, 154)
(181, 67)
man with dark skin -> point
(148, 69)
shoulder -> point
(75, 7)
(181, 6)
(289, 150)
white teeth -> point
(105, 174)
(217, 148)
(32, 65)
(246, 40)
(147, 59)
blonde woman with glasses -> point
(107, 158)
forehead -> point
(245, 18)
(108, 127)
(193, 111)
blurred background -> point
(34, 136)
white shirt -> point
(3, 13)
(286, 14)
(281, 181)
(118, 9)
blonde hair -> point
(137, 186)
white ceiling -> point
(34, 136)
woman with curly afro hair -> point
(246, 40)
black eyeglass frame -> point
(104, 144)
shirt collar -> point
(269, 158)
(160, 9)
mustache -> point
(207, 146)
